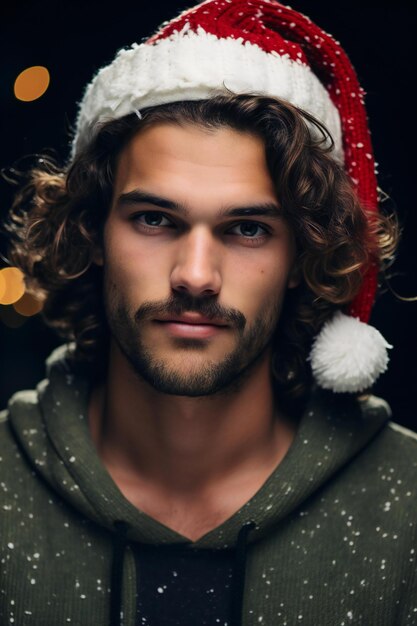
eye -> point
(152, 219)
(249, 229)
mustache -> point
(181, 303)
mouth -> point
(192, 325)
(192, 318)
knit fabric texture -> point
(334, 541)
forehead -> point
(195, 166)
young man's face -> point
(197, 259)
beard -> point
(208, 377)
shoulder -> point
(23, 405)
(26, 401)
(387, 469)
(399, 447)
(404, 436)
(400, 444)
(393, 441)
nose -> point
(196, 267)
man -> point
(204, 452)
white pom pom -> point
(348, 355)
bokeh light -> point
(32, 83)
(13, 285)
(2, 285)
(27, 305)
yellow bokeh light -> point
(32, 83)
(2, 285)
(14, 285)
(27, 305)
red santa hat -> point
(262, 47)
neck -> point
(184, 445)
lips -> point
(192, 325)
(193, 319)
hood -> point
(51, 425)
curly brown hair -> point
(58, 216)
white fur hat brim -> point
(194, 65)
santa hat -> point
(260, 47)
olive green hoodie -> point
(332, 541)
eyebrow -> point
(138, 196)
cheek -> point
(131, 268)
(260, 287)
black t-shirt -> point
(181, 586)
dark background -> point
(73, 40)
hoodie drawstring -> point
(116, 582)
(238, 581)
(239, 571)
